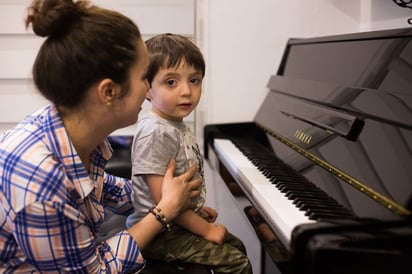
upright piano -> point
(327, 160)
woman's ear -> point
(106, 92)
(149, 94)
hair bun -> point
(50, 17)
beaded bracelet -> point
(160, 217)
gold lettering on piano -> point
(390, 204)
(302, 136)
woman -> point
(53, 189)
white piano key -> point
(280, 212)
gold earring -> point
(109, 104)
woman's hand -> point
(178, 192)
(177, 195)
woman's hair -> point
(169, 50)
(84, 45)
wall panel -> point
(18, 48)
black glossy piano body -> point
(334, 136)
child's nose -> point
(186, 89)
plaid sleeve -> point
(117, 194)
(56, 238)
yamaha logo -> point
(302, 136)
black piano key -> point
(319, 195)
(320, 206)
(299, 202)
(295, 184)
(286, 177)
(303, 194)
(296, 195)
(326, 215)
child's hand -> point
(209, 214)
(217, 233)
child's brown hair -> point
(169, 50)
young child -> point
(175, 73)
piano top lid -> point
(402, 33)
(347, 100)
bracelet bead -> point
(160, 217)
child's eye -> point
(170, 82)
(196, 81)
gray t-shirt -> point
(156, 141)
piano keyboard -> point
(284, 197)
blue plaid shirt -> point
(51, 207)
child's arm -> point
(189, 219)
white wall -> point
(384, 14)
(244, 42)
(18, 48)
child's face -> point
(176, 91)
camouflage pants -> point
(183, 246)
